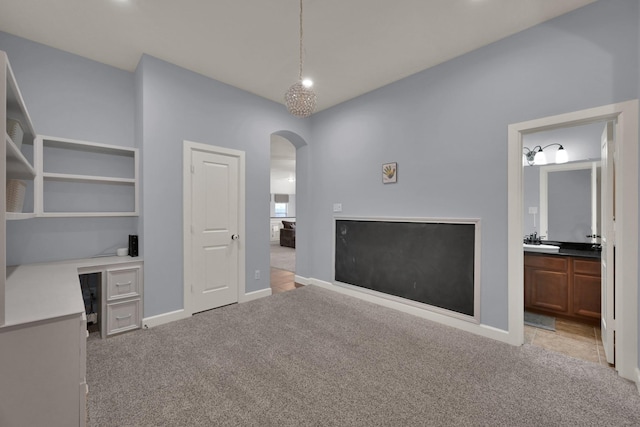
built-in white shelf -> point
(83, 214)
(16, 108)
(85, 179)
(19, 215)
(18, 167)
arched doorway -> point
(284, 210)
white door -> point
(214, 230)
(607, 234)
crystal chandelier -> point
(300, 98)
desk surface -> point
(36, 292)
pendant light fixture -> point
(300, 98)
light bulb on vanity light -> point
(561, 155)
(540, 158)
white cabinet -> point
(121, 294)
(43, 343)
(123, 316)
(42, 366)
(80, 178)
(123, 299)
(43, 348)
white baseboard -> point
(161, 319)
(478, 329)
(172, 316)
(302, 280)
(255, 295)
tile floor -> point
(282, 280)
(571, 338)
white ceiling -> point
(352, 46)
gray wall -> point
(180, 105)
(447, 129)
(71, 97)
(154, 109)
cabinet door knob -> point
(234, 237)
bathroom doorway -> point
(625, 117)
(562, 210)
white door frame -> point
(626, 305)
(188, 147)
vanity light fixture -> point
(538, 157)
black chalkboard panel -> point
(428, 262)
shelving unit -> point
(37, 305)
(17, 164)
(14, 163)
(85, 179)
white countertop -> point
(35, 292)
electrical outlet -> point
(337, 207)
(533, 210)
(257, 275)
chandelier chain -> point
(300, 99)
(301, 37)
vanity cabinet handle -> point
(124, 284)
(123, 317)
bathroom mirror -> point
(570, 202)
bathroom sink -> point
(540, 248)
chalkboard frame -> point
(475, 318)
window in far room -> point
(281, 210)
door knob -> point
(234, 237)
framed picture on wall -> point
(389, 173)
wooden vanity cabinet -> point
(563, 286)
(586, 288)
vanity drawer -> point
(123, 316)
(123, 283)
(556, 263)
(584, 266)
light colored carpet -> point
(540, 321)
(283, 258)
(314, 357)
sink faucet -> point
(533, 238)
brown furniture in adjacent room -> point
(563, 286)
(288, 234)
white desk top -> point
(35, 292)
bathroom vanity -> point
(564, 284)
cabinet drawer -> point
(123, 283)
(123, 316)
(584, 266)
(556, 263)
